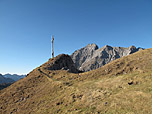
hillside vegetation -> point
(121, 87)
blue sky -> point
(26, 27)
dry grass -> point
(120, 87)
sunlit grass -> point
(120, 87)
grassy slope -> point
(120, 87)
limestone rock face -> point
(61, 62)
(91, 57)
(82, 55)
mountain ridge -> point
(92, 57)
(8, 79)
(121, 86)
(5, 80)
(15, 77)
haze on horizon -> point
(26, 28)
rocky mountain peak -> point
(92, 46)
(91, 57)
(83, 54)
(132, 49)
(107, 47)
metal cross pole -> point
(52, 47)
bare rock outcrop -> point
(61, 62)
(91, 57)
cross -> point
(52, 47)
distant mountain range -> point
(8, 79)
(14, 77)
(5, 80)
(92, 57)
